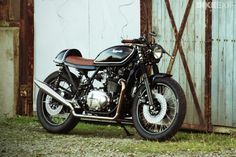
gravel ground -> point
(61, 146)
(33, 140)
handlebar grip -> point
(131, 41)
(127, 41)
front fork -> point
(147, 85)
(145, 77)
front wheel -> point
(162, 120)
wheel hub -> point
(155, 109)
(53, 108)
(154, 114)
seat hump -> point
(60, 58)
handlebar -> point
(129, 41)
(141, 40)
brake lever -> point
(172, 57)
(164, 51)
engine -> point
(97, 100)
(105, 97)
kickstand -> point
(126, 131)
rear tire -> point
(55, 117)
(162, 120)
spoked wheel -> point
(162, 120)
(54, 116)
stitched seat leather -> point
(79, 61)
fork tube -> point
(146, 82)
(144, 72)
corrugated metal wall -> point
(193, 43)
(224, 63)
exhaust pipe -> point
(52, 93)
(118, 109)
(59, 98)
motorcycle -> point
(122, 84)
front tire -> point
(162, 120)
(55, 117)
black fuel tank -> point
(114, 56)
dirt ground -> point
(27, 138)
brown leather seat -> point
(79, 61)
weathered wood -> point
(146, 17)
(25, 106)
(208, 64)
(20, 13)
(178, 46)
(224, 65)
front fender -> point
(152, 78)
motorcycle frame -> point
(138, 70)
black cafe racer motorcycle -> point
(122, 84)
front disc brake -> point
(157, 118)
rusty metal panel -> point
(224, 63)
(208, 64)
(26, 58)
(193, 46)
(4, 10)
(10, 10)
(14, 10)
(19, 13)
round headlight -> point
(157, 52)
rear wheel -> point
(162, 120)
(54, 116)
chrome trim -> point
(59, 98)
(124, 121)
(120, 103)
(62, 60)
(52, 93)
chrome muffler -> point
(43, 86)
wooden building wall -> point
(224, 63)
(205, 56)
(192, 44)
(19, 15)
